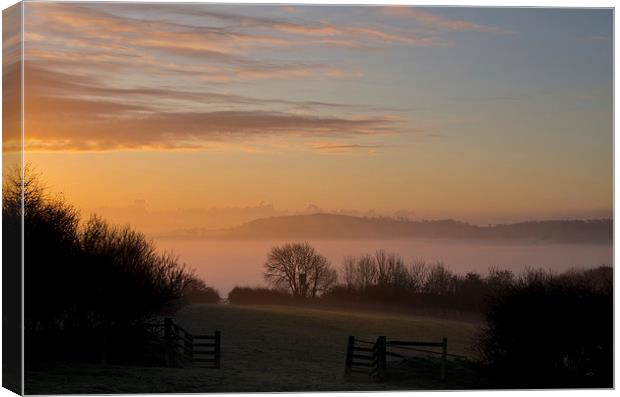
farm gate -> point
(181, 346)
(370, 358)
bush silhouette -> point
(258, 296)
(130, 281)
(197, 291)
(51, 247)
(551, 331)
(99, 277)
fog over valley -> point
(225, 264)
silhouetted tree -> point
(132, 280)
(391, 269)
(76, 279)
(299, 269)
(197, 291)
(51, 246)
(499, 279)
(366, 272)
(417, 275)
(348, 272)
(439, 281)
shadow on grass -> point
(424, 373)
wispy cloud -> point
(438, 21)
(81, 113)
(45, 82)
(326, 33)
(128, 77)
(212, 39)
(133, 129)
(218, 47)
(338, 148)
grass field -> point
(276, 348)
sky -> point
(481, 114)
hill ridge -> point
(337, 226)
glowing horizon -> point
(484, 115)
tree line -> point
(91, 281)
(296, 272)
(87, 282)
(540, 330)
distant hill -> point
(331, 226)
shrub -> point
(197, 291)
(258, 296)
(551, 331)
(96, 279)
(51, 247)
(129, 280)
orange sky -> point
(432, 113)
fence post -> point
(168, 343)
(349, 359)
(381, 357)
(104, 342)
(189, 346)
(217, 350)
(444, 358)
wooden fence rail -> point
(412, 345)
(368, 359)
(375, 363)
(203, 350)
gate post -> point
(349, 358)
(217, 356)
(444, 358)
(189, 347)
(381, 357)
(104, 342)
(168, 343)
